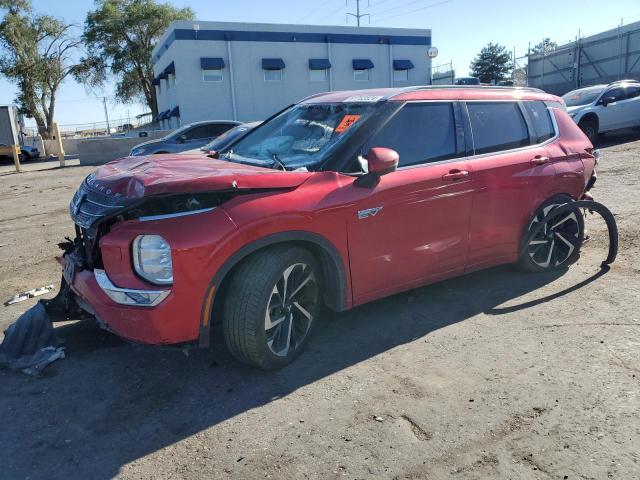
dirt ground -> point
(497, 374)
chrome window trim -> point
(150, 218)
(499, 152)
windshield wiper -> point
(277, 162)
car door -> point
(630, 106)
(411, 228)
(512, 176)
(612, 116)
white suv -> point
(603, 108)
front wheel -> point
(272, 306)
(558, 243)
(590, 129)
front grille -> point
(89, 205)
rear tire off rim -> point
(557, 241)
(288, 316)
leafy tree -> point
(37, 55)
(493, 63)
(545, 46)
(120, 36)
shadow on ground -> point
(110, 403)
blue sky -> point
(459, 29)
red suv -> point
(344, 198)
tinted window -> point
(632, 92)
(497, 126)
(197, 132)
(541, 121)
(420, 133)
(216, 129)
(617, 94)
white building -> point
(240, 71)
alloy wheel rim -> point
(291, 308)
(557, 240)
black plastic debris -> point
(30, 344)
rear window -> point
(541, 121)
(420, 133)
(497, 126)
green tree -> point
(37, 55)
(120, 36)
(493, 63)
(545, 46)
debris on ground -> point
(22, 296)
(30, 344)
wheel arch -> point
(333, 272)
(590, 117)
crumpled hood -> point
(136, 177)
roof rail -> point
(626, 80)
(467, 87)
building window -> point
(361, 75)
(401, 75)
(169, 82)
(318, 75)
(272, 75)
(212, 75)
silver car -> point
(604, 108)
(193, 135)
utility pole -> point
(358, 15)
(106, 115)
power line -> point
(314, 10)
(398, 6)
(331, 13)
(412, 11)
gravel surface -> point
(497, 374)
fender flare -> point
(335, 298)
(590, 205)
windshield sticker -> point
(346, 122)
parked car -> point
(223, 141)
(341, 199)
(193, 135)
(467, 81)
(26, 152)
(605, 108)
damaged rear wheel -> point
(558, 244)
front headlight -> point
(136, 151)
(152, 259)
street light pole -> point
(106, 115)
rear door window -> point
(201, 131)
(497, 126)
(540, 118)
(420, 133)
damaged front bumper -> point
(137, 315)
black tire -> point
(24, 157)
(254, 301)
(590, 129)
(557, 245)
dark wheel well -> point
(590, 117)
(335, 289)
(25, 155)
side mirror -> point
(381, 161)
(607, 100)
(213, 154)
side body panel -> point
(508, 188)
(408, 230)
